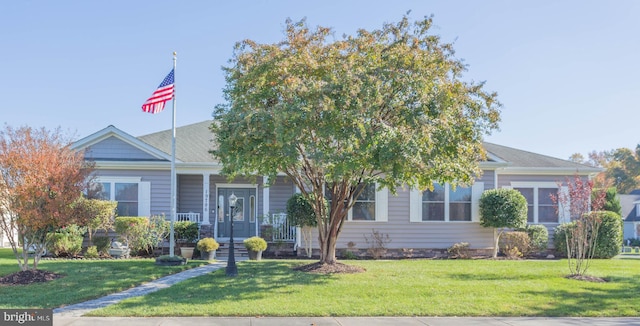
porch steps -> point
(238, 246)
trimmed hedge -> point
(609, 241)
(538, 236)
(503, 208)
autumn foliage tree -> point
(40, 180)
(386, 106)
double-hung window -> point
(132, 195)
(370, 205)
(541, 208)
(446, 204)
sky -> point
(566, 72)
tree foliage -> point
(500, 209)
(611, 200)
(40, 179)
(387, 106)
(625, 169)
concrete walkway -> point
(79, 309)
(71, 315)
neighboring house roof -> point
(529, 162)
(193, 142)
(628, 204)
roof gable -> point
(113, 144)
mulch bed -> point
(337, 268)
(28, 277)
(587, 278)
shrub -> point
(538, 236)
(141, 233)
(608, 241)
(207, 244)
(92, 252)
(102, 244)
(255, 244)
(346, 254)
(67, 241)
(377, 244)
(185, 231)
(515, 244)
(459, 250)
(502, 208)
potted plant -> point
(208, 247)
(186, 234)
(255, 246)
(167, 260)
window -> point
(370, 205)
(433, 204)
(364, 208)
(445, 204)
(126, 194)
(540, 207)
(132, 195)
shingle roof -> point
(193, 142)
(524, 159)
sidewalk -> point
(344, 321)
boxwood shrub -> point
(608, 242)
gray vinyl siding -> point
(629, 230)
(279, 192)
(190, 194)
(420, 235)
(160, 186)
(113, 148)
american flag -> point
(164, 93)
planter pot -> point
(255, 255)
(187, 252)
(208, 255)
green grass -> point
(83, 280)
(400, 288)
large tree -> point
(40, 180)
(386, 106)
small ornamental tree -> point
(95, 215)
(40, 179)
(500, 209)
(576, 200)
(301, 214)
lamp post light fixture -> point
(232, 269)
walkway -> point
(79, 309)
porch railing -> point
(279, 229)
(191, 217)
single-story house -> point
(630, 204)
(135, 171)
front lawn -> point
(400, 288)
(83, 280)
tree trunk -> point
(328, 249)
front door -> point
(244, 214)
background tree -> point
(301, 214)
(611, 200)
(40, 179)
(500, 209)
(386, 106)
(624, 170)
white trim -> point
(265, 196)
(118, 179)
(144, 199)
(415, 206)
(381, 201)
(205, 199)
(236, 185)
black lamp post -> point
(232, 269)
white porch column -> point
(265, 196)
(205, 199)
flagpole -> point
(173, 163)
